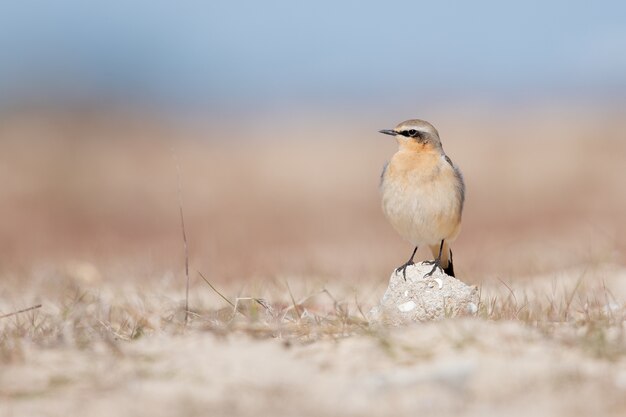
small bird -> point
(423, 193)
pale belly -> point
(423, 212)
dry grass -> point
(79, 314)
(560, 344)
(294, 252)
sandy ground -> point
(465, 367)
(544, 347)
(291, 232)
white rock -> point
(419, 299)
(408, 306)
(611, 307)
(471, 308)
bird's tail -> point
(446, 257)
(450, 268)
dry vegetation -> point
(293, 252)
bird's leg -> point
(405, 265)
(436, 263)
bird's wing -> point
(382, 174)
(460, 182)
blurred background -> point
(272, 110)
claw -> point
(403, 268)
(408, 263)
(436, 264)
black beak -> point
(388, 132)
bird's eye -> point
(412, 132)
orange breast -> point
(420, 197)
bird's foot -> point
(403, 268)
(436, 265)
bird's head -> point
(415, 135)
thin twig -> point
(20, 311)
(293, 300)
(570, 298)
(215, 289)
(236, 306)
(510, 290)
(182, 226)
(358, 307)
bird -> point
(423, 193)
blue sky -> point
(249, 51)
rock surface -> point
(422, 299)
